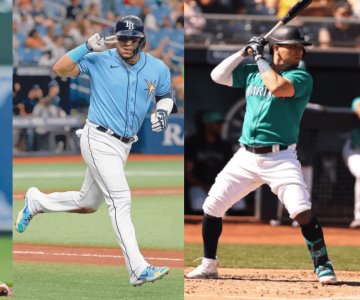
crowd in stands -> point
(44, 30)
(336, 23)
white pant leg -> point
(238, 178)
(89, 198)
(282, 172)
(106, 158)
(352, 159)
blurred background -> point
(214, 29)
(43, 31)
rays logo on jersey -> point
(150, 87)
(130, 25)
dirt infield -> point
(91, 255)
(271, 284)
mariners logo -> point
(150, 87)
(130, 25)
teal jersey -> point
(270, 120)
(355, 134)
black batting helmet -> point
(286, 35)
(131, 27)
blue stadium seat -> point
(177, 35)
(29, 56)
(131, 10)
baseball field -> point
(258, 261)
(72, 256)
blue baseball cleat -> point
(326, 273)
(24, 217)
(150, 274)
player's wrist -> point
(262, 64)
(77, 53)
(88, 46)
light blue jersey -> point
(120, 93)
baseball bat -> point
(295, 10)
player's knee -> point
(304, 217)
(213, 208)
(84, 210)
(210, 216)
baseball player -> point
(351, 153)
(276, 96)
(124, 80)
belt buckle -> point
(109, 132)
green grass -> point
(69, 176)
(158, 222)
(345, 258)
(6, 273)
(57, 281)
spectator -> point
(355, 6)
(40, 16)
(134, 2)
(93, 9)
(351, 153)
(74, 10)
(47, 109)
(57, 51)
(26, 108)
(35, 41)
(206, 153)
(221, 7)
(340, 33)
(25, 21)
(194, 21)
(150, 22)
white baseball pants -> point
(247, 171)
(352, 160)
(105, 157)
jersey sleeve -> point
(240, 74)
(84, 64)
(164, 88)
(302, 82)
(164, 85)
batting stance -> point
(276, 95)
(124, 80)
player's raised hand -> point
(159, 120)
(111, 40)
(96, 43)
(255, 46)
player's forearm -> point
(274, 82)
(66, 67)
(222, 73)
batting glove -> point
(96, 43)
(159, 120)
(255, 46)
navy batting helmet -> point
(131, 27)
(286, 35)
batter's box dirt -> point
(272, 284)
